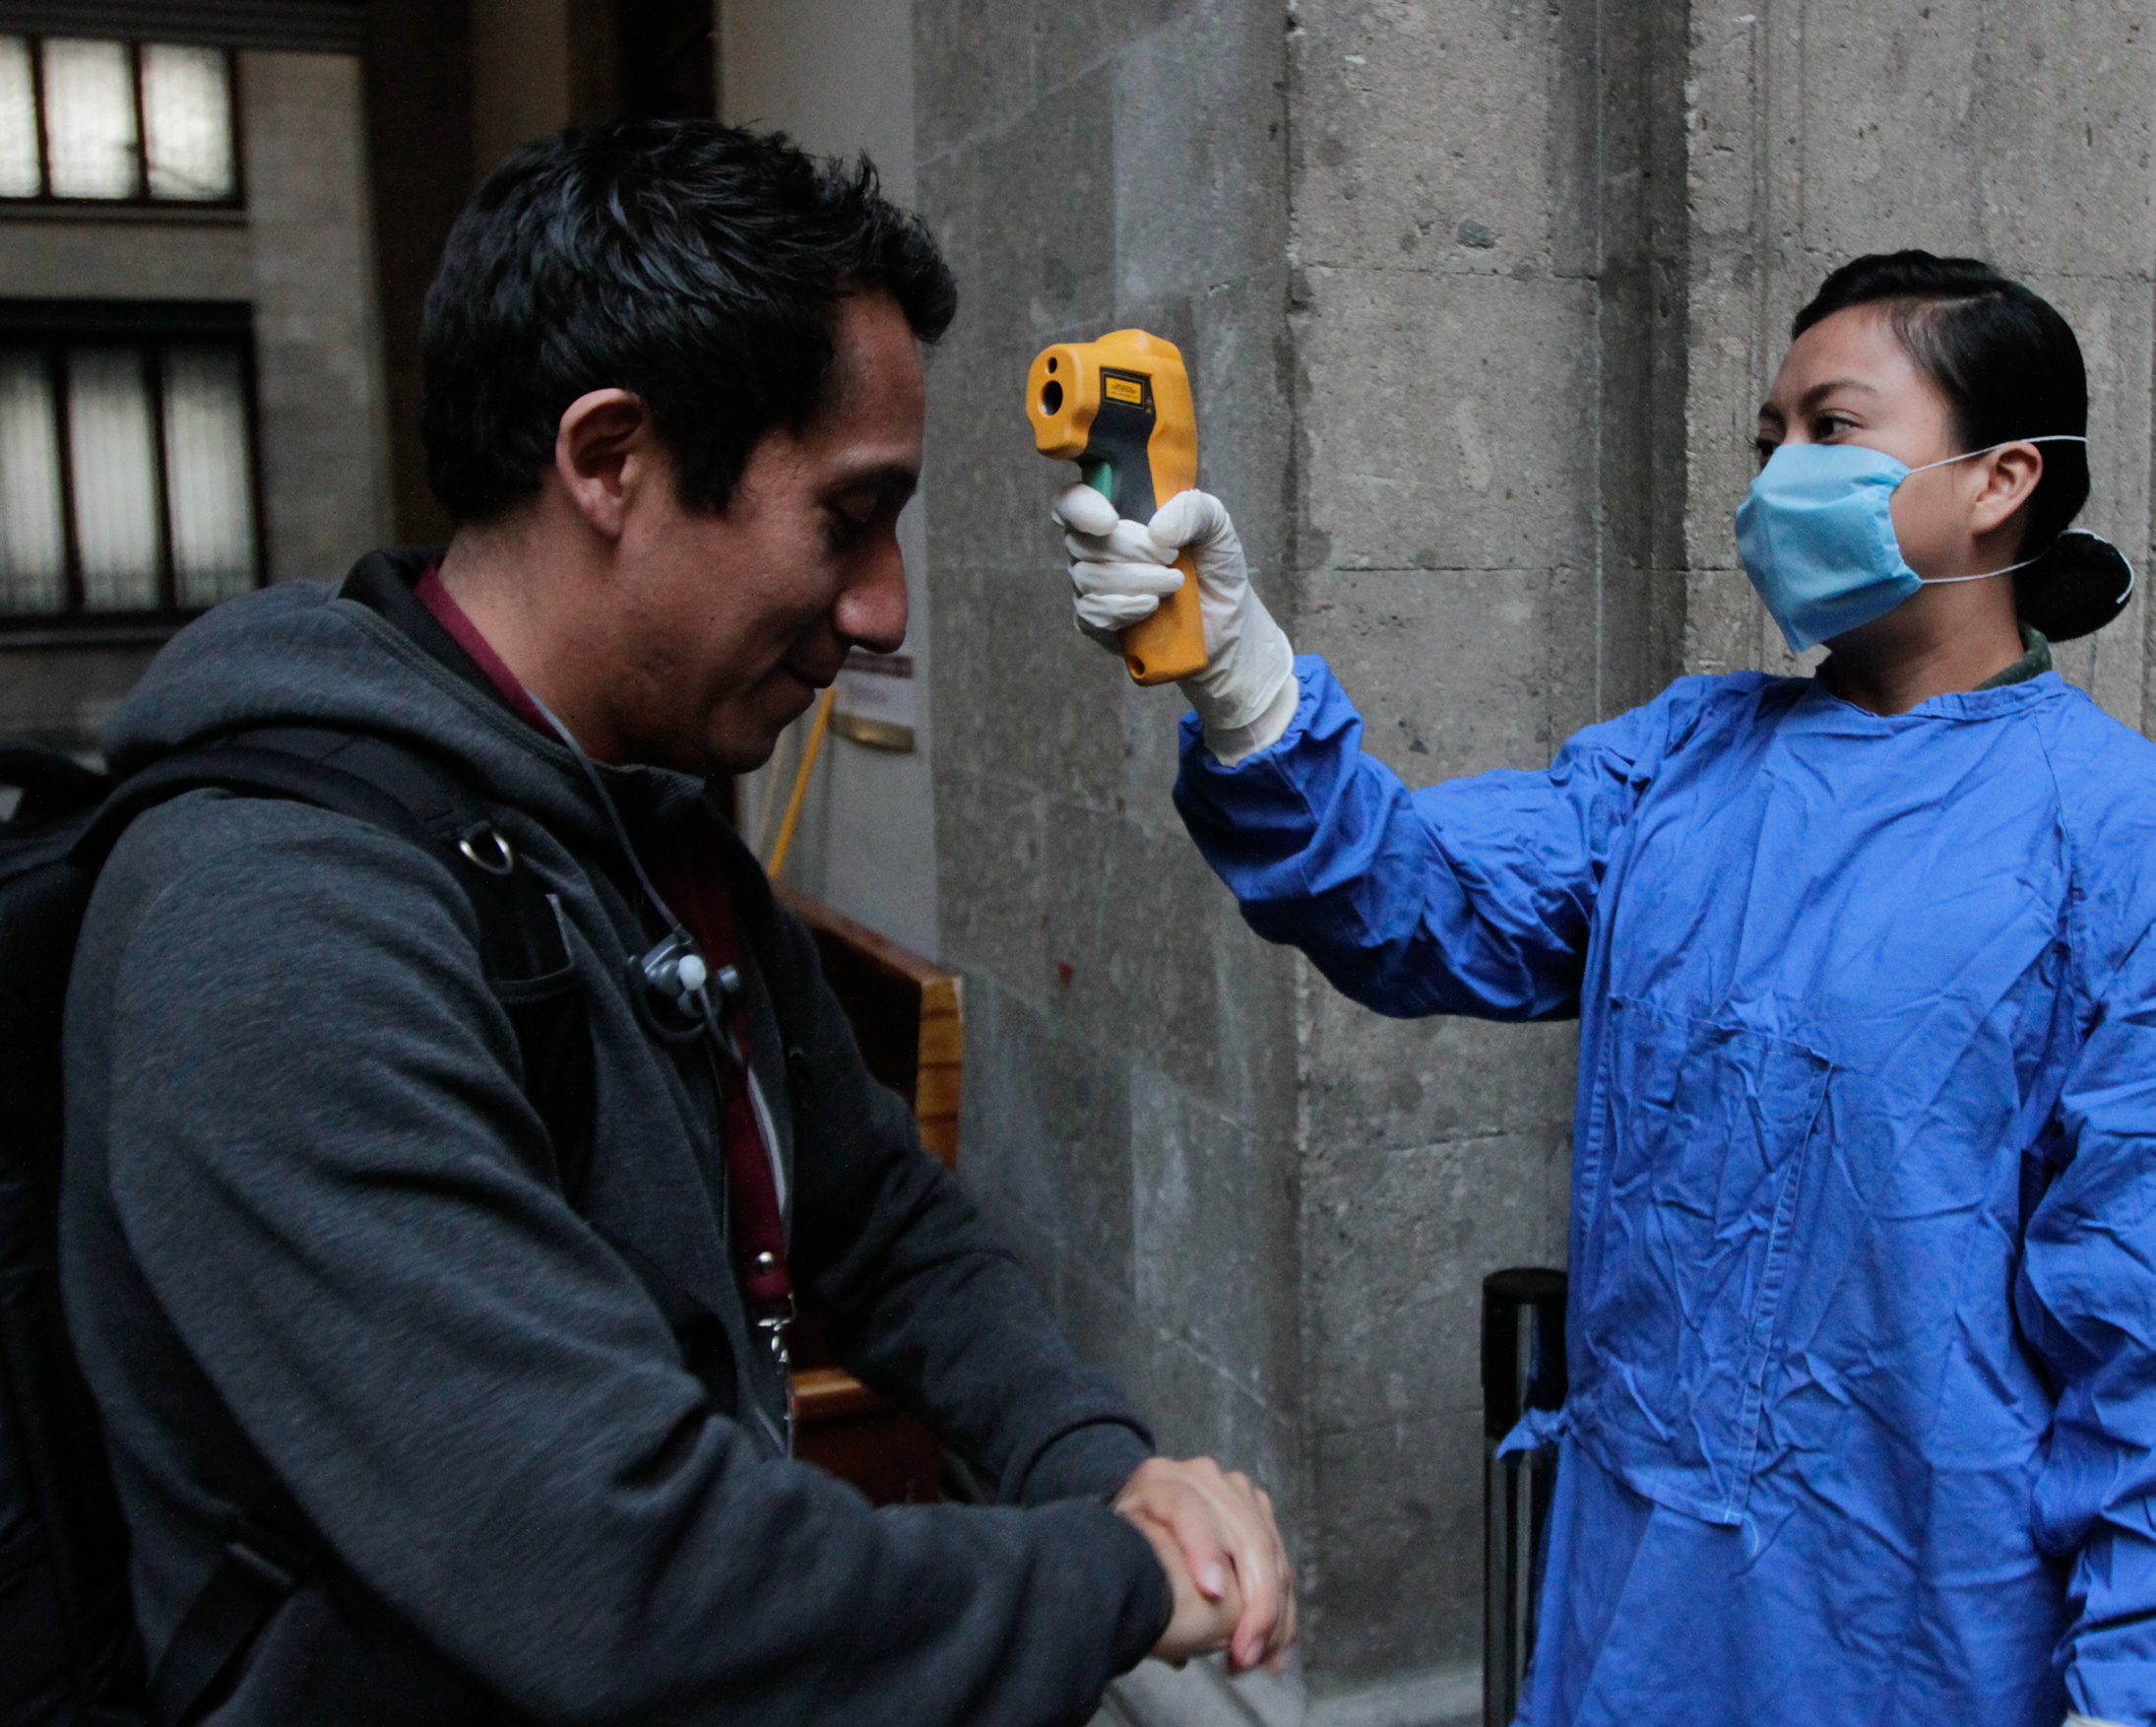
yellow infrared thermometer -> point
(1121, 408)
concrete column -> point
(1130, 1071)
(521, 52)
(1486, 324)
(321, 396)
(540, 65)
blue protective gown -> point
(1862, 1414)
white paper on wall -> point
(875, 700)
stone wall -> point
(1131, 1058)
(321, 402)
(1486, 416)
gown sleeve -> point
(2087, 1298)
(1472, 897)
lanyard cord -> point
(677, 968)
(614, 820)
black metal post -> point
(1523, 1369)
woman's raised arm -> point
(1472, 897)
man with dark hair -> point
(460, 1291)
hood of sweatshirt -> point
(316, 654)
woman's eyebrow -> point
(1821, 391)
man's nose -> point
(871, 610)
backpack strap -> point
(263, 1564)
(52, 784)
(524, 943)
(248, 771)
(524, 948)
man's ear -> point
(604, 450)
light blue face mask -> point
(1818, 536)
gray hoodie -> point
(312, 1246)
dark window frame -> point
(149, 327)
(140, 199)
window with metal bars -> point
(128, 492)
(83, 119)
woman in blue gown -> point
(1862, 1334)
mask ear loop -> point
(1972, 455)
(1967, 455)
(1949, 581)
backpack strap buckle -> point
(259, 1570)
(485, 847)
(280, 1560)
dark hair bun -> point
(2077, 587)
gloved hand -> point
(1120, 572)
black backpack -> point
(69, 1652)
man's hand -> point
(1203, 1620)
(1223, 1555)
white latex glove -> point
(1119, 573)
